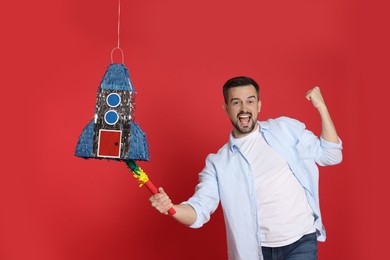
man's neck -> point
(237, 134)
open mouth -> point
(244, 119)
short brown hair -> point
(239, 81)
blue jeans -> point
(303, 249)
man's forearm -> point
(328, 131)
(185, 214)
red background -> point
(54, 205)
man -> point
(266, 178)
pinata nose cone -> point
(113, 134)
(117, 77)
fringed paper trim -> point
(137, 172)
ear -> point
(224, 107)
(259, 106)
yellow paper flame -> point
(141, 176)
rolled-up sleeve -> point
(331, 153)
(323, 152)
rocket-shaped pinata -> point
(113, 134)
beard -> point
(246, 128)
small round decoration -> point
(111, 117)
(113, 100)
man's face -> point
(242, 108)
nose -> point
(243, 107)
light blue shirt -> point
(228, 178)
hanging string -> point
(119, 22)
(119, 27)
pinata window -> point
(113, 100)
(111, 117)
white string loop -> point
(112, 52)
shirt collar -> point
(263, 126)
